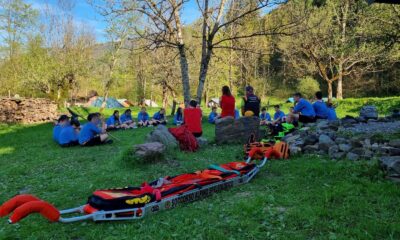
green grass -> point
(305, 197)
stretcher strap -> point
(219, 168)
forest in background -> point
(345, 48)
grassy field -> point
(306, 197)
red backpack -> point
(187, 141)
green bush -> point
(308, 86)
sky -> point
(84, 13)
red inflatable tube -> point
(15, 202)
(255, 151)
(270, 153)
(44, 208)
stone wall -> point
(27, 110)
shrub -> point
(308, 86)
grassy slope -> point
(305, 197)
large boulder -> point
(162, 135)
(369, 112)
(149, 151)
(391, 165)
(229, 130)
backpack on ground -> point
(187, 142)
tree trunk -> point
(205, 61)
(185, 74)
(330, 92)
(339, 89)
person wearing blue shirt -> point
(320, 108)
(178, 117)
(62, 121)
(69, 134)
(91, 134)
(331, 112)
(213, 115)
(159, 117)
(279, 116)
(127, 120)
(265, 118)
(237, 114)
(303, 111)
(143, 118)
(113, 122)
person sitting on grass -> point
(113, 122)
(62, 121)
(320, 108)
(159, 117)
(69, 134)
(192, 118)
(303, 111)
(91, 134)
(331, 112)
(143, 118)
(265, 118)
(279, 115)
(213, 115)
(178, 117)
(126, 118)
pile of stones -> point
(361, 138)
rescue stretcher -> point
(135, 202)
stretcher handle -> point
(255, 151)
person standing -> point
(227, 103)
(250, 103)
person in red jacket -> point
(227, 103)
(192, 117)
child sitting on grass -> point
(279, 116)
(178, 117)
(113, 122)
(62, 121)
(91, 134)
(265, 118)
(159, 117)
(143, 118)
(126, 118)
(213, 115)
(69, 134)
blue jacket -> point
(142, 117)
(320, 109)
(332, 114)
(158, 116)
(178, 119)
(279, 115)
(265, 116)
(67, 135)
(211, 117)
(56, 133)
(125, 118)
(112, 121)
(88, 131)
(305, 108)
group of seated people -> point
(307, 112)
(69, 133)
(125, 121)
